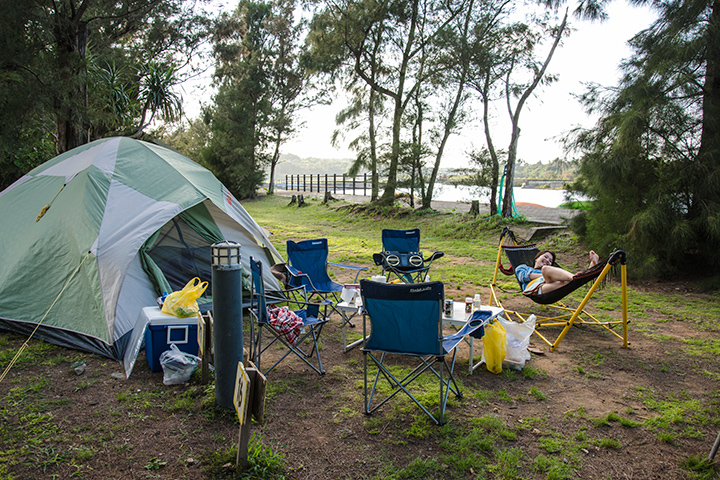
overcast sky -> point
(592, 53)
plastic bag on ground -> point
(183, 303)
(518, 340)
(177, 366)
(494, 347)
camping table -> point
(458, 319)
(353, 309)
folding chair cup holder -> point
(402, 257)
(567, 316)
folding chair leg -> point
(446, 385)
(294, 349)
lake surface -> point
(463, 193)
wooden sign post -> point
(249, 401)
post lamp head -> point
(226, 253)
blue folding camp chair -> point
(291, 340)
(407, 319)
(308, 267)
(401, 255)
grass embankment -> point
(517, 425)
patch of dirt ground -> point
(105, 427)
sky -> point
(592, 53)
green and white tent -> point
(92, 236)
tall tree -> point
(240, 116)
(399, 30)
(652, 164)
(450, 117)
(524, 90)
(55, 63)
(489, 49)
(288, 82)
(352, 118)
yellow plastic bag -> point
(184, 302)
(494, 347)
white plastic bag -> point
(177, 366)
(518, 340)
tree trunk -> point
(507, 205)
(374, 178)
(273, 164)
(507, 210)
(71, 39)
(388, 196)
(491, 146)
(450, 120)
(709, 153)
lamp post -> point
(227, 319)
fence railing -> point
(333, 183)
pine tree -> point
(652, 164)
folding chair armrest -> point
(276, 297)
(435, 256)
(351, 267)
(475, 327)
(379, 259)
(304, 279)
(288, 295)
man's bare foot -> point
(594, 258)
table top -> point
(459, 316)
(350, 307)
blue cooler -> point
(164, 329)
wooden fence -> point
(333, 183)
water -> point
(464, 193)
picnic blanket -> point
(286, 322)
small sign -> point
(201, 333)
(242, 389)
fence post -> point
(365, 185)
(334, 182)
(353, 186)
(304, 182)
(326, 189)
(343, 184)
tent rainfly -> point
(92, 236)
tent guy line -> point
(25, 343)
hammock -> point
(566, 316)
(525, 254)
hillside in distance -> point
(293, 165)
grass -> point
(485, 429)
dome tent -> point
(126, 221)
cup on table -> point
(349, 292)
